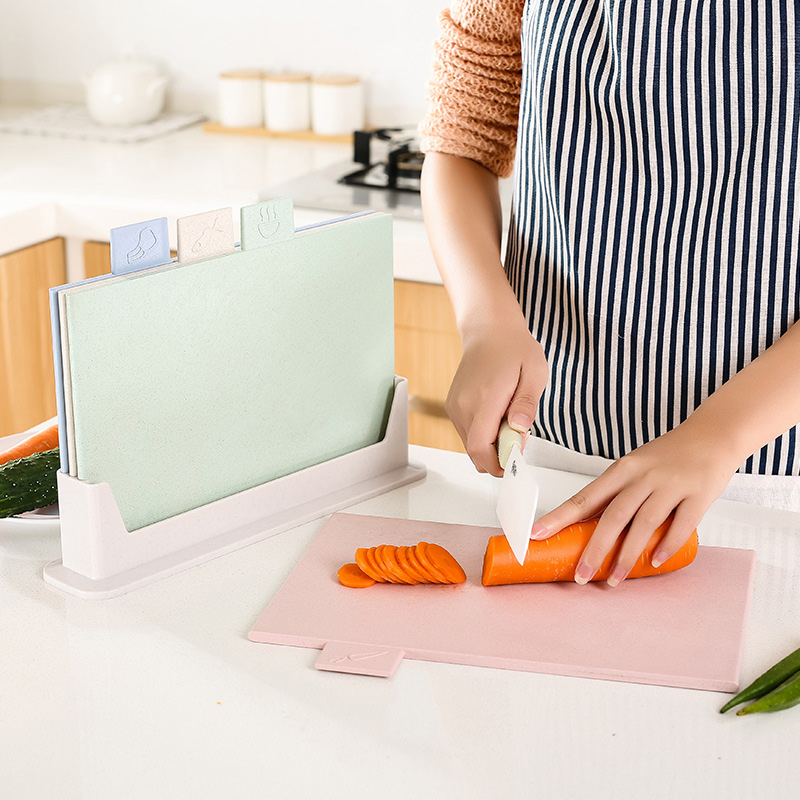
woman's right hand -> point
(502, 373)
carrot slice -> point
(44, 439)
(373, 562)
(411, 554)
(405, 564)
(352, 576)
(380, 559)
(395, 570)
(445, 563)
(556, 558)
(362, 559)
(422, 557)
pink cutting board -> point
(682, 629)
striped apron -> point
(654, 242)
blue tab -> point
(138, 246)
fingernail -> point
(520, 423)
(584, 573)
(659, 558)
(617, 575)
(539, 531)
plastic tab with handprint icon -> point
(267, 223)
(139, 246)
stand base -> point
(56, 574)
(101, 559)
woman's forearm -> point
(756, 405)
(463, 218)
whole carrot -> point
(556, 558)
(46, 438)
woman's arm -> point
(685, 470)
(503, 370)
(469, 137)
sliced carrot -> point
(388, 563)
(556, 558)
(445, 563)
(373, 562)
(380, 559)
(45, 438)
(407, 567)
(352, 576)
(396, 571)
(422, 557)
(411, 554)
(364, 564)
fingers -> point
(522, 410)
(479, 432)
(585, 504)
(651, 516)
(631, 511)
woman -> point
(644, 318)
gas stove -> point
(384, 175)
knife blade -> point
(519, 492)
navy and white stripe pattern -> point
(655, 237)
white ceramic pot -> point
(125, 92)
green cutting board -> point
(194, 381)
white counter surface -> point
(79, 189)
(159, 693)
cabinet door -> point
(427, 352)
(27, 386)
(96, 259)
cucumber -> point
(29, 483)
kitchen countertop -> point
(79, 189)
(159, 693)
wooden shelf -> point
(305, 136)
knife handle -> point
(507, 437)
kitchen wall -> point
(46, 46)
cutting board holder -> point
(102, 559)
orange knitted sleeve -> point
(473, 92)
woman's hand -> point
(680, 473)
(503, 372)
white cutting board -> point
(683, 629)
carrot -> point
(387, 563)
(395, 570)
(46, 438)
(411, 554)
(421, 552)
(407, 567)
(352, 576)
(380, 560)
(368, 566)
(556, 558)
(445, 563)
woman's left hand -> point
(680, 473)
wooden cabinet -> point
(27, 383)
(427, 352)
(96, 259)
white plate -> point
(49, 514)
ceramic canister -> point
(287, 101)
(337, 105)
(240, 103)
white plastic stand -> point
(101, 559)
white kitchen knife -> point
(519, 492)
